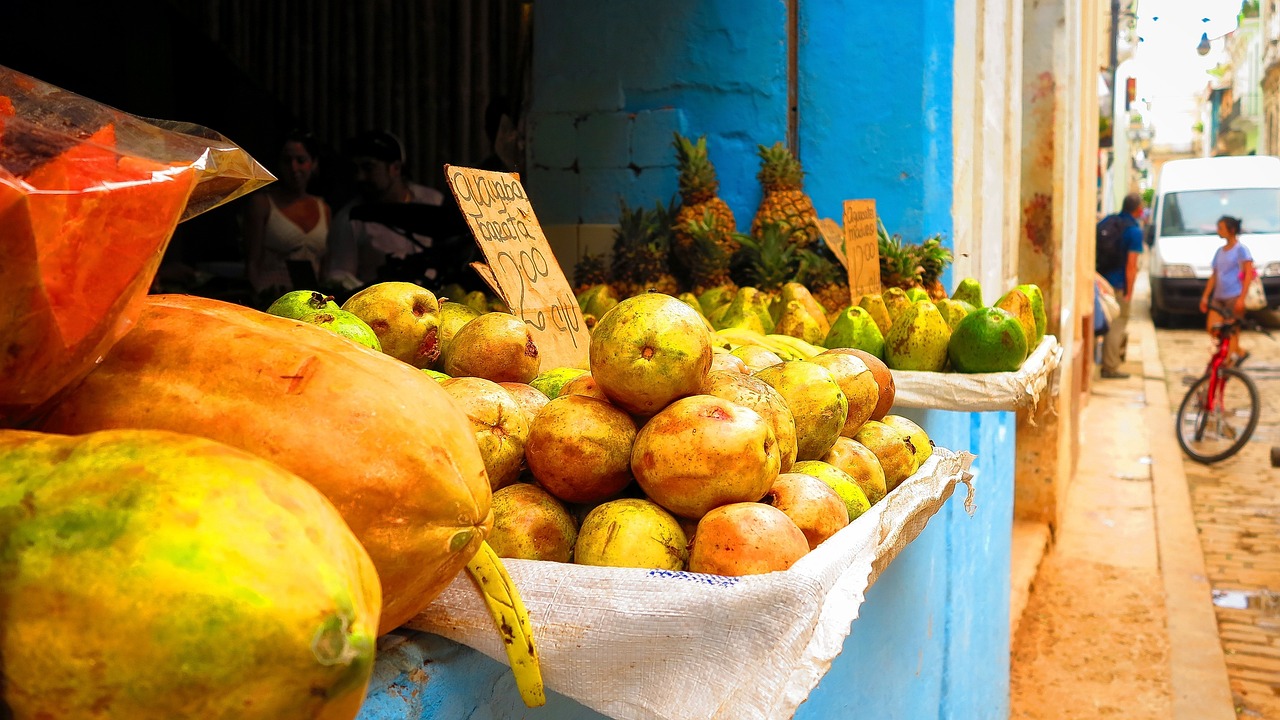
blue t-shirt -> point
(1132, 241)
(1226, 266)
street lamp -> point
(1203, 48)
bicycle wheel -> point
(1208, 435)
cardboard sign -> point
(861, 248)
(521, 268)
(833, 236)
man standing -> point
(1119, 242)
(360, 248)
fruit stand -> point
(385, 442)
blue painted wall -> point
(875, 109)
(613, 81)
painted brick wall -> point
(614, 81)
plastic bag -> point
(89, 198)
(1255, 298)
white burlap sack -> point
(982, 392)
(647, 644)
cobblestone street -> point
(1237, 513)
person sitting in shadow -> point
(285, 227)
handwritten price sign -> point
(833, 236)
(861, 248)
(521, 268)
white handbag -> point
(1255, 298)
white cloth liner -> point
(982, 392)
(632, 643)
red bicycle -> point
(1220, 412)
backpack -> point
(1111, 250)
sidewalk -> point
(1120, 621)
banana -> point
(741, 336)
(508, 612)
(801, 348)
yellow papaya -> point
(148, 575)
(381, 439)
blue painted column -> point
(876, 121)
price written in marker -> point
(861, 248)
(520, 266)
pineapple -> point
(710, 262)
(785, 202)
(771, 259)
(641, 247)
(899, 262)
(698, 202)
(627, 241)
(934, 259)
(588, 272)
(827, 281)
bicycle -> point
(1219, 413)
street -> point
(1237, 514)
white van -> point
(1190, 197)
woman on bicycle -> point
(1232, 273)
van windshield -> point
(1196, 212)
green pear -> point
(715, 298)
(916, 295)
(953, 311)
(874, 305)
(601, 302)
(729, 316)
(970, 291)
(453, 316)
(345, 324)
(295, 304)
(800, 293)
(452, 291)
(855, 499)
(585, 296)
(1016, 303)
(918, 340)
(749, 310)
(855, 328)
(1036, 296)
(987, 340)
(798, 323)
(897, 302)
(691, 300)
(478, 302)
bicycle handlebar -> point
(1229, 316)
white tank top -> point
(283, 240)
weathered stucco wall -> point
(1057, 198)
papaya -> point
(378, 437)
(150, 575)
